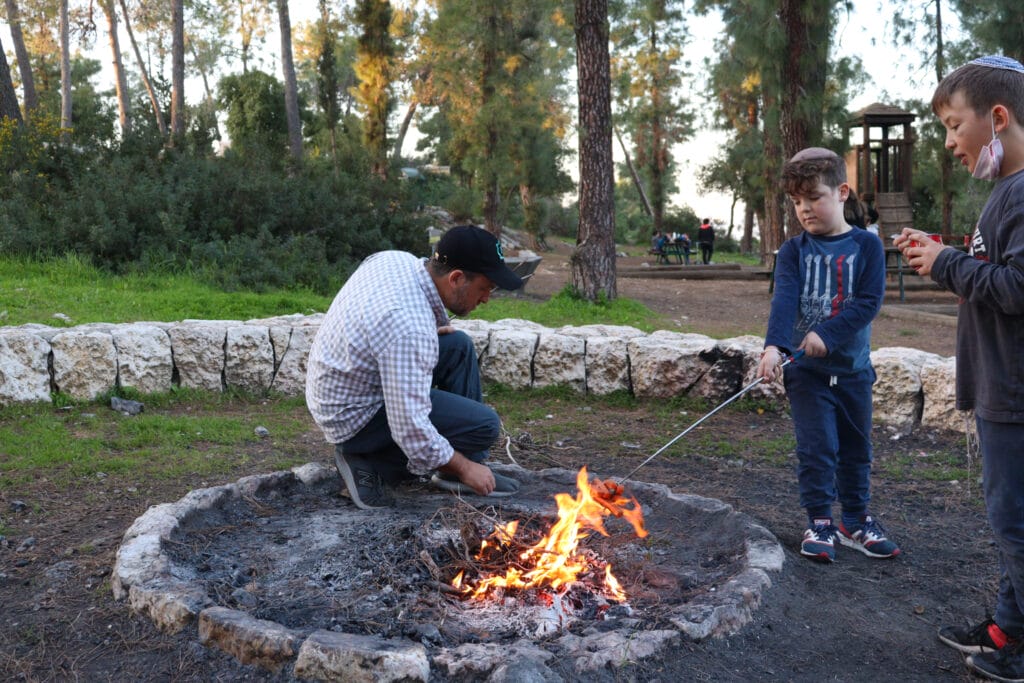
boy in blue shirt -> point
(829, 283)
(981, 105)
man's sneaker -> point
(503, 486)
(868, 537)
(984, 637)
(1005, 664)
(365, 485)
(819, 541)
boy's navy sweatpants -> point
(832, 420)
(1002, 467)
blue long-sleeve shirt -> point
(833, 286)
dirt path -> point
(726, 308)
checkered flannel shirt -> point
(377, 346)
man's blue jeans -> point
(1002, 467)
(833, 439)
(457, 412)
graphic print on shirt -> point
(977, 248)
(827, 288)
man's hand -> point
(474, 475)
(918, 249)
(446, 329)
(813, 346)
(769, 368)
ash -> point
(309, 559)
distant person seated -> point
(658, 243)
(683, 244)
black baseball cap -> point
(473, 249)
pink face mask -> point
(990, 158)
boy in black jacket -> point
(981, 106)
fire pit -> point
(282, 571)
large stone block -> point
(290, 378)
(250, 640)
(198, 351)
(607, 362)
(938, 379)
(333, 656)
(509, 358)
(667, 364)
(560, 361)
(84, 363)
(24, 371)
(898, 397)
(248, 358)
(144, 361)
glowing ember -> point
(554, 561)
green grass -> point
(566, 309)
(33, 291)
(178, 435)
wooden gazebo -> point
(879, 164)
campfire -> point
(553, 561)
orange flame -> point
(553, 561)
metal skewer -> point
(721, 405)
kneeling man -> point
(394, 386)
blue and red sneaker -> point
(819, 541)
(868, 537)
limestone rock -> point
(607, 361)
(290, 378)
(248, 358)
(24, 375)
(938, 379)
(198, 351)
(509, 358)
(898, 398)
(667, 364)
(250, 640)
(144, 360)
(84, 363)
(332, 656)
(560, 361)
(588, 331)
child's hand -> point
(918, 249)
(768, 368)
(813, 346)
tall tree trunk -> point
(8, 98)
(403, 129)
(65, 67)
(28, 84)
(659, 155)
(593, 261)
(211, 101)
(177, 72)
(291, 90)
(806, 25)
(492, 198)
(747, 243)
(945, 160)
(153, 101)
(773, 229)
(124, 107)
(637, 182)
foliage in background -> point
(238, 221)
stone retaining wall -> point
(914, 388)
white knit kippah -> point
(1000, 62)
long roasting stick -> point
(721, 405)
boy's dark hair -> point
(983, 87)
(808, 167)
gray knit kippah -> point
(1000, 62)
